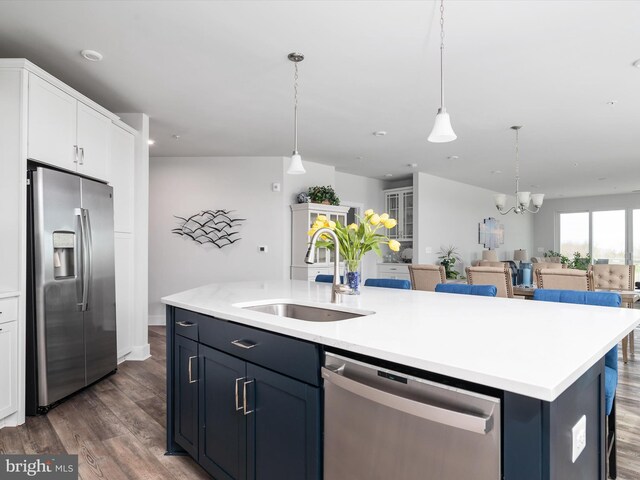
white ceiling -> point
(216, 73)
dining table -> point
(627, 296)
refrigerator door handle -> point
(89, 257)
(85, 257)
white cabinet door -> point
(124, 292)
(121, 175)
(9, 368)
(94, 138)
(51, 133)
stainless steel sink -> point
(305, 312)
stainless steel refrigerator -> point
(71, 327)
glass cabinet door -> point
(407, 218)
(393, 209)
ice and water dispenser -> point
(64, 258)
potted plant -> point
(579, 262)
(356, 239)
(563, 258)
(448, 258)
(325, 195)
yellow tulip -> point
(318, 224)
(311, 231)
(384, 217)
(368, 213)
(353, 226)
(331, 224)
(390, 223)
(321, 218)
(394, 245)
(375, 219)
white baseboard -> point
(10, 421)
(139, 353)
(159, 320)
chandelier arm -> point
(533, 211)
(505, 212)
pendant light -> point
(442, 131)
(295, 167)
(523, 199)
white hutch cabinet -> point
(399, 205)
(302, 217)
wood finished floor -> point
(117, 427)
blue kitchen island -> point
(246, 385)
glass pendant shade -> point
(442, 131)
(537, 199)
(500, 199)
(524, 198)
(296, 167)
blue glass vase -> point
(353, 280)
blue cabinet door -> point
(185, 388)
(283, 428)
(223, 428)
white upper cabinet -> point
(94, 137)
(51, 125)
(65, 132)
(121, 175)
(399, 205)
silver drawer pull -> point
(190, 379)
(244, 394)
(238, 406)
(247, 344)
(185, 324)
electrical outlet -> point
(275, 187)
(263, 248)
(578, 438)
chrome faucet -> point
(310, 258)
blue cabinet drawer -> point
(292, 357)
(186, 323)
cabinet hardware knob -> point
(190, 378)
(75, 152)
(246, 344)
(81, 155)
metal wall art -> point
(210, 226)
(490, 233)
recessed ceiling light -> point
(575, 164)
(91, 55)
(151, 142)
(359, 158)
(453, 157)
(496, 172)
(412, 165)
(602, 178)
(612, 102)
(175, 137)
(379, 133)
(636, 63)
(534, 186)
(388, 174)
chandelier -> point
(523, 199)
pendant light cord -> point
(441, 53)
(295, 110)
(517, 161)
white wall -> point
(545, 223)
(354, 189)
(184, 186)
(448, 213)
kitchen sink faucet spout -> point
(336, 288)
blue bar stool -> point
(388, 283)
(604, 299)
(327, 278)
(461, 288)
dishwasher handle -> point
(466, 421)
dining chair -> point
(322, 278)
(490, 263)
(426, 277)
(605, 299)
(500, 277)
(564, 279)
(388, 283)
(461, 288)
(541, 265)
(617, 277)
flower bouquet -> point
(356, 239)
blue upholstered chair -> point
(604, 299)
(461, 288)
(327, 278)
(388, 283)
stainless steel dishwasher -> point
(383, 425)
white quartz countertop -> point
(537, 349)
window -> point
(574, 233)
(608, 238)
